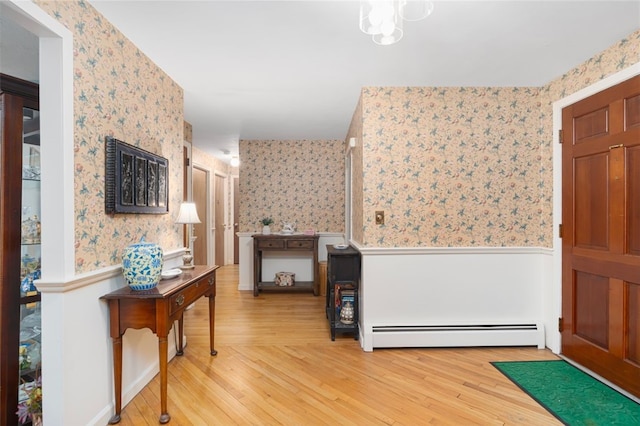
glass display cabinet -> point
(20, 255)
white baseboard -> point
(459, 336)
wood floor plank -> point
(277, 365)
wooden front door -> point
(601, 236)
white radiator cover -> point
(454, 297)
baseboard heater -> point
(404, 336)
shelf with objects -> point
(20, 306)
(343, 284)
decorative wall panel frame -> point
(136, 181)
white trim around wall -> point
(173, 258)
(553, 288)
(56, 128)
(57, 199)
(348, 195)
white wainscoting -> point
(454, 297)
(77, 343)
(285, 261)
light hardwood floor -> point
(276, 364)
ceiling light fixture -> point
(383, 19)
(234, 160)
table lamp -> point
(188, 216)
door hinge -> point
(560, 324)
(560, 135)
(560, 231)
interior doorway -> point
(601, 237)
(236, 214)
(219, 219)
(200, 177)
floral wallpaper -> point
(118, 92)
(299, 181)
(465, 166)
(451, 166)
(612, 60)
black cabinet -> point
(343, 285)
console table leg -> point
(163, 348)
(212, 321)
(180, 350)
(117, 378)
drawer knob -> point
(180, 300)
(211, 281)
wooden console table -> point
(280, 242)
(157, 309)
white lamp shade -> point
(188, 213)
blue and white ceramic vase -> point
(142, 265)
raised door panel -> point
(591, 206)
(592, 308)
(632, 323)
(633, 200)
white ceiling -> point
(294, 69)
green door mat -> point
(571, 395)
